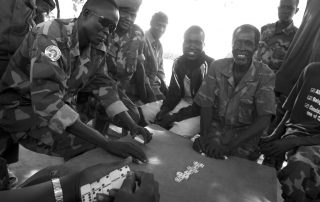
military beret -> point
(132, 4)
(45, 5)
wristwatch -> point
(57, 190)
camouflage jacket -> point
(153, 53)
(237, 106)
(274, 44)
(56, 73)
(123, 54)
(16, 21)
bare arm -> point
(43, 192)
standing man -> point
(39, 87)
(187, 74)
(304, 49)
(274, 43)
(236, 100)
(153, 53)
(276, 37)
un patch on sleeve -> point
(53, 52)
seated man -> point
(39, 87)
(124, 50)
(187, 74)
(153, 53)
(298, 137)
(236, 100)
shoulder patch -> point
(53, 52)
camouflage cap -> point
(131, 4)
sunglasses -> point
(105, 22)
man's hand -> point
(216, 150)
(138, 130)
(199, 145)
(167, 121)
(126, 149)
(278, 147)
(161, 115)
(270, 138)
(148, 190)
(210, 147)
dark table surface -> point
(232, 180)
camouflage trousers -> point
(300, 179)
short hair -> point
(90, 4)
(159, 16)
(194, 28)
(248, 28)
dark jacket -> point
(182, 68)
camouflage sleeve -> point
(47, 84)
(208, 89)
(262, 44)
(15, 76)
(105, 88)
(134, 51)
(265, 97)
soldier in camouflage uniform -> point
(125, 55)
(236, 99)
(297, 138)
(274, 43)
(276, 37)
(38, 90)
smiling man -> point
(188, 72)
(40, 85)
(236, 100)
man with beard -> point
(236, 100)
(39, 87)
(188, 72)
(276, 37)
